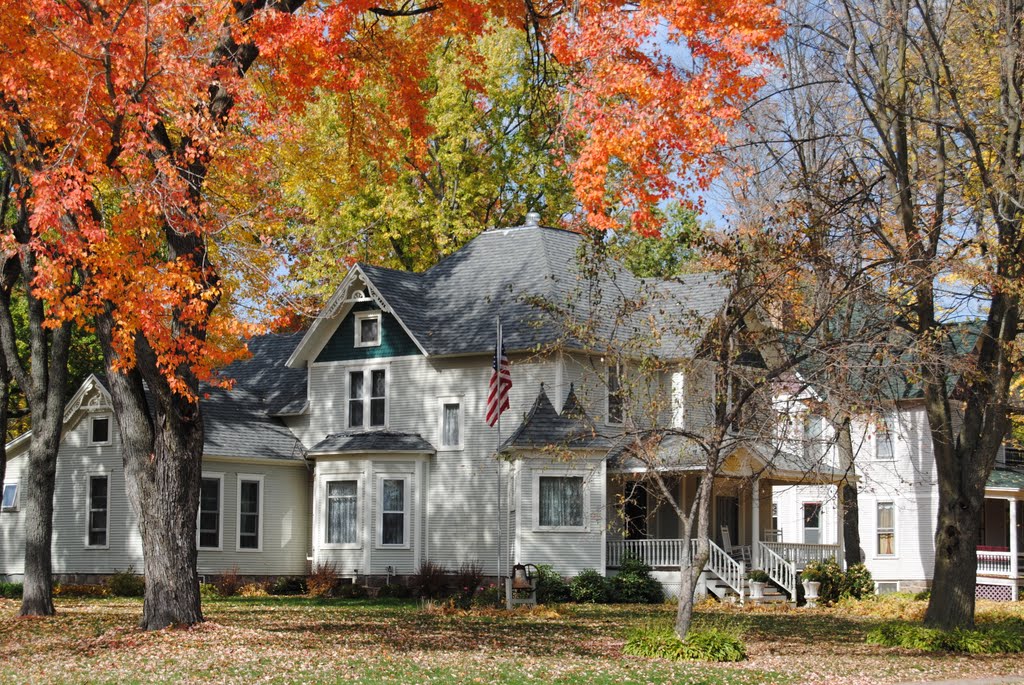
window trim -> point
(92, 429)
(249, 477)
(337, 478)
(441, 402)
(363, 316)
(17, 496)
(406, 497)
(206, 475)
(585, 493)
(367, 372)
(887, 427)
(88, 509)
(618, 368)
(895, 539)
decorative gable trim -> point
(333, 313)
(91, 397)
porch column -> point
(840, 537)
(755, 527)
(1013, 547)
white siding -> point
(12, 524)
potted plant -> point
(812, 577)
(758, 579)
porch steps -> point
(724, 593)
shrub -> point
(837, 584)
(987, 640)
(351, 591)
(711, 644)
(923, 596)
(80, 590)
(126, 583)
(11, 590)
(228, 583)
(858, 582)
(253, 590)
(493, 595)
(394, 590)
(467, 580)
(758, 576)
(590, 587)
(208, 591)
(322, 581)
(429, 581)
(551, 586)
(634, 584)
(288, 585)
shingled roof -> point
(373, 441)
(543, 427)
(528, 275)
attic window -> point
(10, 497)
(99, 431)
(367, 329)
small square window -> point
(367, 329)
(99, 432)
(10, 500)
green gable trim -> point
(394, 341)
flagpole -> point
(497, 452)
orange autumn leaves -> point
(109, 110)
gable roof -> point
(543, 427)
(530, 276)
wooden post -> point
(755, 523)
(1013, 547)
(840, 538)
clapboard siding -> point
(12, 524)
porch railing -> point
(992, 563)
(671, 553)
(728, 569)
(799, 554)
(778, 569)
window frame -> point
(892, 531)
(441, 402)
(618, 370)
(584, 493)
(367, 397)
(92, 429)
(363, 316)
(887, 429)
(89, 510)
(220, 513)
(15, 507)
(340, 478)
(249, 478)
(379, 506)
(818, 504)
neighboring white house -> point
(361, 441)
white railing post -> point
(1014, 561)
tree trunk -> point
(37, 597)
(951, 604)
(850, 504)
(689, 577)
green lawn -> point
(277, 640)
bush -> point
(80, 590)
(11, 590)
(758, 576)
(288, 585)
(837, 584)
(551, 586)
(493, 595)
(923, 596)
(351, 591)
(253, 590)
(394, 590)
(634, 584)
(712, 644)
(322, 581)
(987, 640)
(208, 591)
(228, 583)
(467, 580)
(126, 583)
(429, 581)
(589, 587)
(858, 582)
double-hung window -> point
(367, 398)
(393, 511)
(614, 414)
(342, 512)
(883, 440)
(250, 513)
(10, 497)
(210, 512)
(98, 519)
(561, 501)
(886, 529)
(451, 423)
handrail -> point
(726, 568)
(994, 563)
(779, 570)
(798, 553)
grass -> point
(296, 639)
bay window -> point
(560, 501)
(393, 511)
(342, 514)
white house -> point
(361, 441)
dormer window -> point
(99, 431)
(367, 329)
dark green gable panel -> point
(394, 342)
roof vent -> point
(532, 219)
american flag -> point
(500, 384)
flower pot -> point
(811, 592)
(756, 590)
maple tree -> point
(134, 126)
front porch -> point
(1001, 552)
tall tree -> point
(146, 114)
